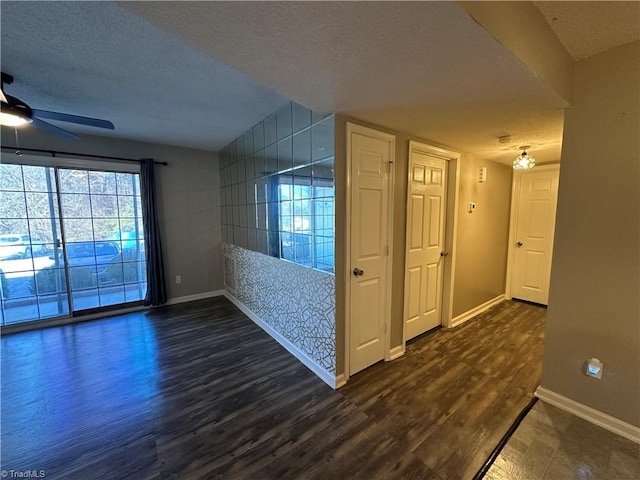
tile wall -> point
(277, 188)
(278, 217)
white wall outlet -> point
(594, 368)
(471, 207)
(178, 278)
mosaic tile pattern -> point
(297, 302)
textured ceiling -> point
(197, 74)
(425, 68)
(96, 59)
(588, 28)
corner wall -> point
(276, 173)
(483, 236)
(594, 300)
(188, 198)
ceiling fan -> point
(14, 113)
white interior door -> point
(370, 155)
(535, 224)
(426, 209)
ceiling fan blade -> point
(8, 79)
(53, 129)
(65, 117)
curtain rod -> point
(54, 153)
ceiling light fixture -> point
(13, 117)
(524, 161)
(16, 113)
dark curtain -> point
(156, 285)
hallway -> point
(454, 394)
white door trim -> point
(451, 222)
(354, 128)
(513, 220)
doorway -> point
(425, 250)
(429, 259)
(370, 156)
(71, 241)
(533, 216)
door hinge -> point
(390, 165)
(386, 250)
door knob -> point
(519, 244)
(357, 272)
(444, 254)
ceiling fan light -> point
(10, 120)
(524, 162)
(13, 117)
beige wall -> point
(188, 198)
(340, 172)
(595, 281)
(481, 280)
(482, 243)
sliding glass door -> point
(29, 239)
(104, 248)
(71, 241)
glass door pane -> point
(104, 249)
(32, 275)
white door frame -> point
(354, 128)
(450, 222)
(513, 220)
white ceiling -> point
(198, 74)
(588, 28)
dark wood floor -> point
(198, 391)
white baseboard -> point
(589, 414)
(328, 378)
(460, 319)
(340, 380)
(197, 296)
(396, 352)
